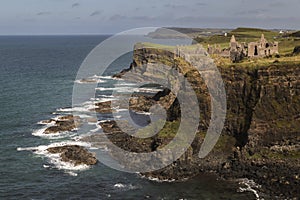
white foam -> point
(85, 107)
(101, 100)
(55, 159)
(143, 113)
(125, 84)
(42, 148)
(97, 129)
(125, 186)
(103, 121)
(119, 89)
(41, 133)
(158, 180)
(108, 77)
(250, 186)
(149, 90)
(90, 80)
(124, 89)
(83, 116)
(120, 110)
(44, 122)
(74, 109)
(119, 185)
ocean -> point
(37, 75)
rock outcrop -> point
(63, 124)
(74, 154)
(296, 50)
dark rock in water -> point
(104, 107)
(47, 121)
(65, 123)
(74, 154)
(296, 50)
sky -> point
(48, 17)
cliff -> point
(261, 136)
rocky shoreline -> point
(260, 140)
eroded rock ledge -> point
(74, 154)
(63, 124)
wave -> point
(55, 160)
(96, 129)
(118, 89)
(143, 113)
(76, 109)
(125, 186)
(107, 77)
(89, 81)
(158, 180)
(124, 84)
(149, 90)
(250, 186)
(56, 136)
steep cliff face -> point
(261, 136)
(263, 104)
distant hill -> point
(191, 32)
(295, 34)
(243, 29)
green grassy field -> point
(287, 43)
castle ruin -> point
(237, 51)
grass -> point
(155, 46)
(286, 47)
(266, 153)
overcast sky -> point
(112, 16)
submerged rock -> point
(74, 154)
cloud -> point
(276, 4)
(143, 18)
(95, 13)
(173, 6)
(117, 17)
(201, 4)
(75, 5)
(252, 12)
(43, 13)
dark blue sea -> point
(37, 75)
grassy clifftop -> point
(286, 42)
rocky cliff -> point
(261, 136)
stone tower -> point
(233, 43)
(263, 41)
